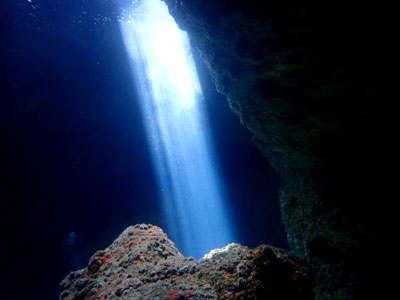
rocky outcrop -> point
(314, 87)
(142, 263)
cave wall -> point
(313, 87)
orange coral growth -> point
(103, 258)
(172, 295)
(128, 244)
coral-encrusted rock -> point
(142, 263)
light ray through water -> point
(170, 96)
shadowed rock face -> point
(142, 263)
(314, 86)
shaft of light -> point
(170, 97)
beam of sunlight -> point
(170, 96)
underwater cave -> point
(214, 149)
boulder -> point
(142, 263)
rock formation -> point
(142, 263)
(314, 87)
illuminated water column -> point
(170, 96)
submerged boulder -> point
(142, 263)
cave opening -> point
(77, 166)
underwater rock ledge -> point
(142, 263)
(313, 87)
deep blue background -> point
(74, 156)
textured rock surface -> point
(142, 263)
(314, 87)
